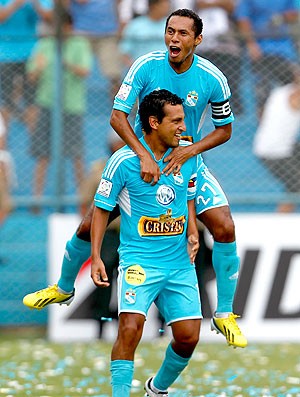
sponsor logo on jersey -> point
(104, 187)
(165, 195)
(164, 225)
(191, 98)
(135, 275)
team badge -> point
(124, 92)
(178, 178)
(192, 98)
(130, 296)
(165, 195)
(104, 187)
(135, 275)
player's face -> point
(181, 42)
(171, 126)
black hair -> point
(185, 12)
(153, 105)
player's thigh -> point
(180, 298)
(220, 224)
(209, 192)
(138, 288)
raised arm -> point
(150, 172)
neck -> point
(158, 149)
(181, 67)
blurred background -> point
(61, 63)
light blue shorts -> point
(175, 292)
(209, 192)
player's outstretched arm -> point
(98, 228)
(150, 172)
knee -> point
(224, 232)
(130, 333)
(84, 229)
(188, 342)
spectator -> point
(145, 33)
(277, 138)
(7, 175)
(129, 9)
(77, 61)
(265, 27)
(99, 21)
(220, 44)
(18, 28)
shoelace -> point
(50, 288)
(233, 323)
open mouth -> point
(174, 50)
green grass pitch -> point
(38, 368)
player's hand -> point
(193, 247)
(150, 171)
(98, 274)
(175, 159)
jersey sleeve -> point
(220, 99)
(131, 86)
(111, 183)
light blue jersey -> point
(203, 84)
(153, 218)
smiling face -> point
(181, 42)
(169, 130)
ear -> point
(198, 39)
(153, 122)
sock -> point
(226, 264)
(76, 253)
(121, 377)
(170, 369)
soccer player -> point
(201, 84)
(155, 265)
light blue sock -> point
(170, 369)
(226, 264)
(76, 253)
(121, 377)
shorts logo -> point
(124, 92)
(165, 195)
(130, 297)
(135, 275)
(104, 187)
(191, 98)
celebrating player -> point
(154, 260)
(201, 84)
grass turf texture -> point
(35, 367)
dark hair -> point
(153, 105)
(184, 12)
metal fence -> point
(49, 170)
